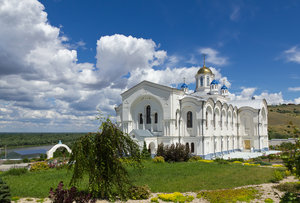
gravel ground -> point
(266, 189)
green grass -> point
(166, 177)
(195, 176)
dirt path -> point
(266, 189)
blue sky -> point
(61, 60)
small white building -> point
(206, 120)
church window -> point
(176, 120)
(155, 118)
(207, 80)
(187, 146)
(214, 120)
(192, 147)
(148, 114)
(189, 119)
(141, 118)
(201, 81)
(206, 119)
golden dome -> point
(204, 70)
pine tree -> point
(4, 192)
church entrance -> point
(247, 145)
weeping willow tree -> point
(99, 156)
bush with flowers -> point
(206, 161)
(175, 197)
(158, 159)
(39, 166)
(230, 195)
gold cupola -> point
(204, 69)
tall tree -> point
(98, 155)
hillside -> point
(280, 119)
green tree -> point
(98, 155)
(4, 192)
(145, 153)
(292, 157)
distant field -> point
(167, 177)
(37, 139)
(279, 120)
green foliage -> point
(195, 158)
(229, 195)
(289, 197)
(98, 155)
(39, 166)
(61, 152)
(16, 171)
(26, 160)
(145, 153)
(37, 139)
(277, 176)
(174, 153)
(61, 195)
(221, 161)
(139, 192)
(4, 192)
(288, 187)
(175, 197)
(268, 200)
(158, 159)
(236, 159)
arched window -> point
(148, 114)
(214, 120)
(192, 147)
(155, 118)
(207, 81)
(141, 118)
(187, 146)
(201, 81)
(176, 120)
(189, 123)
(206, 119)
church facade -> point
(205, 120)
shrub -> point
(139, 192)
(290, 197)
(154, 199)
(145, 153)
(287, 173)
(237, 162)
(277, 165)
(4, 192)
(195, 158)
(176, 153)
(236, 159)
(269, 200)
(16, 171)
(26, 160)
(175, 197)
(248, 164)
(158, 159)
(288, 187)
(229, 195)
(39, 166)
(277, 176)
(206, 161)
(221, 161)
(262, 163)
(61, 195)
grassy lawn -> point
(167, 177)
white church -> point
(206, 119)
